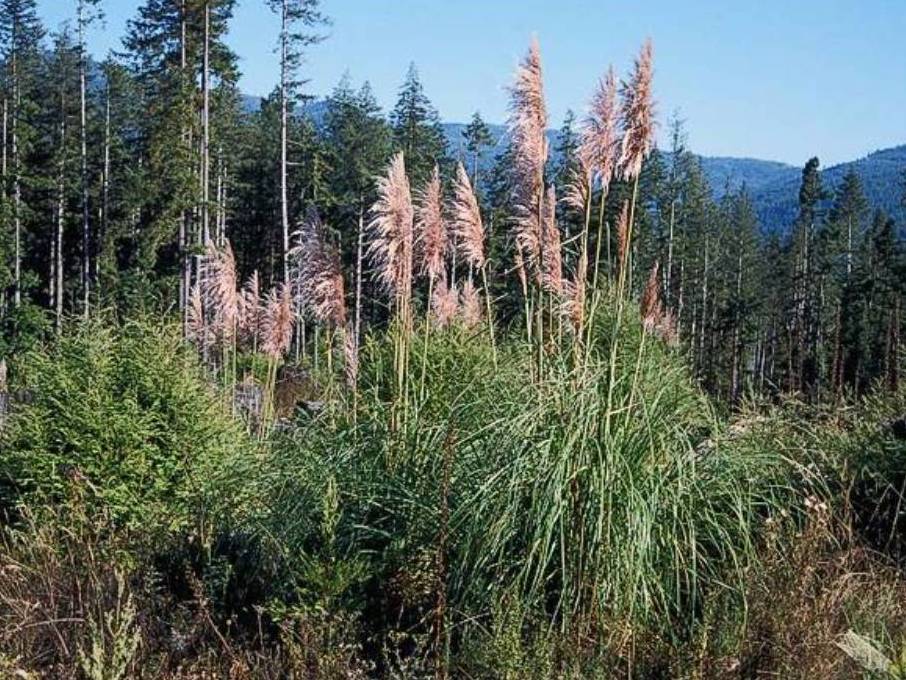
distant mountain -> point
(880, 172)
(774, 186)
(727, 172)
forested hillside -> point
(762, 265)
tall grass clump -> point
(606, 510)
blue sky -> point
(775, 79)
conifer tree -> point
(60, 130)
(416, 129)
(806, 302)
(20, 44)
(297, 19)
(477, 136)
(358, 144)
(87, 12)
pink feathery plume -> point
(469, 305)
(444, 303)
(552, 269)
(528, 126)
(600, 136)
(390, 232)
(637, 114)
(578, 185)
(574, 293)
(220, 288)
(277, 322)
(651, 306)
(467, 224)
(250, 308)
(431, 244)
(317, 274)
(597, 153)
(197, 329)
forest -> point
(298, 388)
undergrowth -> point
(504, 515)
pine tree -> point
(416, 130)
(20, 41)
(87, 12)
(61, 153)
(358, 143)
(477, 136)
(122, 179)
(807, 312)
(296, 17)
(178, 57)
(838, 253)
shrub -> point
(126, 412)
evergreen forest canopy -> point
(116, 176)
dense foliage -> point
(808, 301)
(127, 412)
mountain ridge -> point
(773, 185)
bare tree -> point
(87, 11)
(295, 15)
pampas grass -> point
(196, 325)
(637, 115)
(390, 247)
(219, 287)
(317, 275)
(623, 244)
(249, 324)
(599, 151)
(469, 230)
(469, 305)
(318, 283)
(467, 224)
(277, 322)
(552, 262)
(351, 358)
(432, 241)
(573, 306)
(431, 244)
(528, 127)
(444, 304)
(637, 118)
(276, 335)
(391, 235)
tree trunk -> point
(83, 132)
(57, 258)
(735, 380)
(206, 128)
(668, 288)
(284, 114)
(17, 188)
(5, 128)
(105, 180)
(186, 278)
(358, 275)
